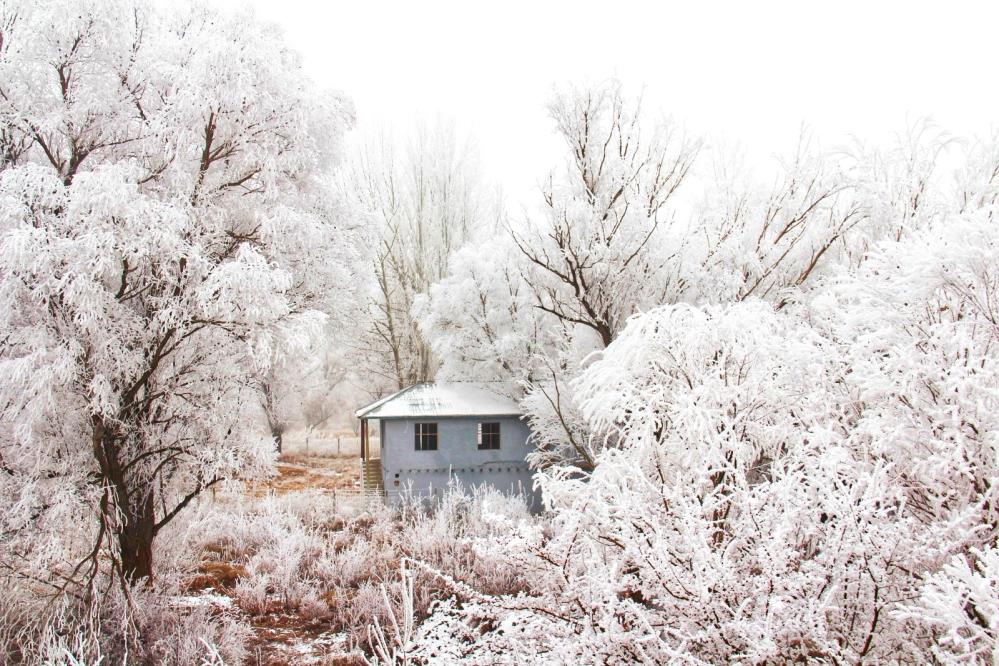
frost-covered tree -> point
(537, 302)
(749, 241)
(529, 303)
(809, 479)
(164, 220)
(426, 199)
(612, 240)
(296, 384)
(482, 318)
(601, 250)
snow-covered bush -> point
(960, 603)
(174, 629)
(811, 480)
(292, 554)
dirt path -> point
(282, 638)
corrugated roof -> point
(443, 399)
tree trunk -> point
(270, 410)
(134, 525)
(135, 542)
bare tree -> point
(600, 250)
(427, 200)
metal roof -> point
(444, 399)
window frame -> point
(425, 436)
(481, 435)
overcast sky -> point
(743, 73)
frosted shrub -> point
(148, 627)
(315, 509)
(435, 538)
(311, 606)
(295, 593)
(252, 594)
(352, 565)
(188, 636)
(365, 606)
(392, 638)
(961, 603)
(227, 536)
(328, 569)
(495, 513)
(278, 562)
(781, 484)
(455, 536)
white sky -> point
(749, 73)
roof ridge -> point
(381, 401)
(469, 398)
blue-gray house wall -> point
(404, 469)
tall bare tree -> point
(427, 199)
(599, 249)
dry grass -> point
(282, 635)
(300, 472)
(219, 576)
(281, 638)
(327, 443)
(307, 582)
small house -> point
(433, 433)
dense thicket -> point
(787, 451)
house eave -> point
(430, 417)
(370, 407)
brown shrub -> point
(225, 574)
(199, 583)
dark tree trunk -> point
(132, 515)
(278, 435)
(270, 411)
(135, 542)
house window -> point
(489, 435)
(426, 436)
